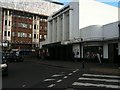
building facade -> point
(68, 32)
(101, 39)
(62, 28)
(22, 28)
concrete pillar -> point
(55, 26)
(53, 32)
(58, 29)
(67, 27)
(70, 24)
(105, 51)
(49, 32)
(64, 27)
(61, 28)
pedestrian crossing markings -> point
(93, 77)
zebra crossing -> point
(60, 77)
(95, 80)
(55, 79)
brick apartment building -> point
(23, 29)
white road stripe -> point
(59, 80)
(77, 69)
(74, 71)
(109, 76)
(95, 79)
(97, 85)
(66, 77)
(51, 85)
(49, 80)
(56, 75)
(70, 74)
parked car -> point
(12, 57)
(4, 65)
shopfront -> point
(90, 53)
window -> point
(35, 26)
(19, 34)
(30, 26)
(37, 36)
(22, 25)
(40, 27)
(9, 23)
(45, 20)
(5, 22)
(24, 34)
(10, 12)
(14, 24)
(34, 36)
(45, 28)
(13, 33)
(35, 17)
(45, 36)
(5, 33)
(41, 19)
(30, 36)
(40, 36)
(8, 33)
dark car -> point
(12, 57)
(4, 65)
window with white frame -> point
(13, 33)
(40, 36)
(30, 35)
(8, 33)
(45, 36)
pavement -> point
(105, 68)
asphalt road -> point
(37, 75)
(28, 74)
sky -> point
(109, 2)
(63, 1)
(115, 3)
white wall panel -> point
(111, 30)
(105, 50)
(92, 33)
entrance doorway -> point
(113, 52)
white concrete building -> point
(87, 27)
(104, 39)
(62, 25)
